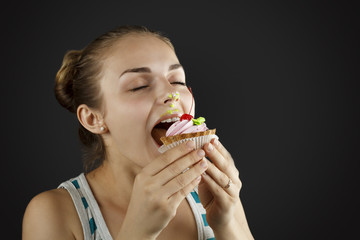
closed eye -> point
(179, 83)
(146, 86)
(138, 88)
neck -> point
(114, 179)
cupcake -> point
(185, 129)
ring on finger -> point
(228, 184)
(185, 170)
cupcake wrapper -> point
(199, 142)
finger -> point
(223, 162)
(181, 165)
(217, 144)
(227, 184)
(179, 196)
(179, 183)
(218, 192)
(168, 157)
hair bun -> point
(64, 80)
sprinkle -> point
(170, 95)
(198, 121)
(169, 111)
(172, 105)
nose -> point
(166, 93)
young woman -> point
(120, 88)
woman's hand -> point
(219, 193)
(160, 188)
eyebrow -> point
(148, 70)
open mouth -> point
(160, 129)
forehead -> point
(140, 49)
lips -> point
(161, 126)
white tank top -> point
(93, 223)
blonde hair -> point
(77, 82)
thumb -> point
(205, 195)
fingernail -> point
(198, 179)
(210, 147)
(203, 164)
(201, 153)
(216, 142)
(190, 144)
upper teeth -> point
(170, 120)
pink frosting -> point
(185, 126)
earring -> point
(102, 128)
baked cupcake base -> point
(199, 138)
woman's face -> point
(139, 74)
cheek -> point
(127, 114)
(127, 123)
(128, 131)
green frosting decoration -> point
(198, 121)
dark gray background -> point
(279, 81)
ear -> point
(91, 120)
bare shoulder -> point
(51, 215)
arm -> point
(159, 189)
(224, 211)
(50, 215)
(238, 229)
(241, 219)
